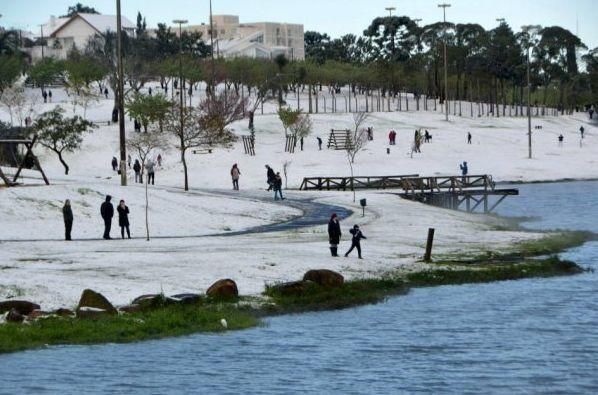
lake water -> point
(528, 336)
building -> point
(258, 39)
(64, 34)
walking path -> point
(312, 213)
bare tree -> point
(207, 125)
(144, 144)
(14, 99)
(356, 141)
(285, 168)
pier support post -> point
(429, 243)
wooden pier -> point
(469, 193)
(455, 192)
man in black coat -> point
(356, 241)
(107, 211)
(270, 176)
(334, 234)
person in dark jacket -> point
(114, 163)
(463, 168)
(107, 211)
(106, 92)
(67, 214)
(123, 219)
(277, 185)
(270, 176)
(137, 170)
(355, 241)
(334, 234)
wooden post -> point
(428, 256)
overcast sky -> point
(335, 17)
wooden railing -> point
(350, 183)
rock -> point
(223, 289)
(64, 312)
(187, 298)
(292, 288)
(95, 300)
(35, 314)
(92, 313)
(14, 316)
(22, 307)
(133, 308)
(153, 301)
(325, 278)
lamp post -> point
(390, 10)
(444, 6)
(181, 118)
(526, 29)
(500, 20)
(121, 99)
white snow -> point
(54, 273)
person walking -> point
(235, 173)
(334, 234)
(114, 163)
(137, 170)
(278, 186)
(67, 215)
(106, 93)
(319, 143)
(581, 130)
(301, 143)
(468, 137)
(123, 219)
(45, 96)
(50, 95)
(150, 167)
(159, 160)
(107, 211)
(356, 241)
(129, 160)
(150, 90)
(270, 176)
(561, 138)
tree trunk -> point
(66, 167)
(184, 168)
(146, 213)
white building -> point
(62, 34)
(256, 40)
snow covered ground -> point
(36, 266)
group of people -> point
(334, 237)
(107, 213)
(150, 167)
(392, 137)
(47, 95)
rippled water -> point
(528, 336)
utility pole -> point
(526, 29)
(181, 103)
(444, 6)
(41, 29)
(390, 10)
(213, 90)
(121, 99)
(392, 54)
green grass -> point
(165, 322)
(479, 273)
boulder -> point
(223, 289)
(92, 313)
(14, 316)
(153, 301)
(140, 299)
(187, 298)
(35, 314)
(325, 278)
(292, 288)
(22, 307)
(95, 300)
(63, 312)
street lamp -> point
(500, 20)
(121, 99)
(526, 29)
(444, 6)
(390, 10)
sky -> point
(335, 17)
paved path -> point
(312, 213)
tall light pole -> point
(181, 118)
(526, 29)
(444, 6)
(501, 20)
(390, 10)
(121, 99)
